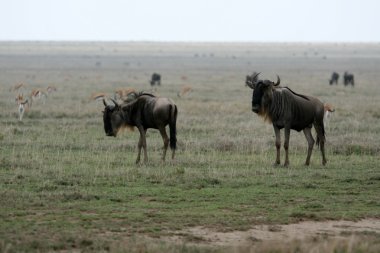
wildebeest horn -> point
(278, 81)
(255, 76)
(252, 82)
(116, 104)
(104, 102)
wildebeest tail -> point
(320, 134)
(173, 126)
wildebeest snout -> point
(111, 134)
(255, 108)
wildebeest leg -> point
(165, 138)
(278, 144)
(142, 143)
(310, 141)
(321, 140)
(286, 145)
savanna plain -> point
(67, 187)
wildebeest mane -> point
(142, 93)
(300, 95)
(283, 105)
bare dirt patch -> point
(308, 230)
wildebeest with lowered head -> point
(156, 79)
(144, 112)
(334, 78)
(286, 109)
(348, 79)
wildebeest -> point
(156, 79)
(334, 78)
(348, 79)
(144, 112)
(286, 109)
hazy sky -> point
(191, 20)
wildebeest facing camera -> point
(289, 110)
(144, 112)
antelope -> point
(123, 93)
(38, 94)
(51, 89)
(17, 87)
(184, 91)
(98, 96)
(328, 109)
(21, 105)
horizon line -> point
(192, 41)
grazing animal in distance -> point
(289, 110)
(51, 89)
(185, 90)
(23, 104)
(328, 110)
(155, 79)
(123, 93)
(334, 78)
(144, 112)
(17, 87)
(97, 96)
(38, 94)
(348, 79)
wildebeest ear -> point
(104, 102)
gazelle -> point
(184, 91)
(123, 93)
(22, 106)
(51, 89)
(17, 87)
(98, 96)
(38, 94)
(329, 109)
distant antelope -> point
(17, 87)
(51, 89)
(38, 94)
(329, 109)
(21, 105)
(184, 91)
(97, 96)
(123, 93)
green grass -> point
(65, 186)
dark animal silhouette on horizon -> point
(348, 79)
(155, 79)
(334, 78)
